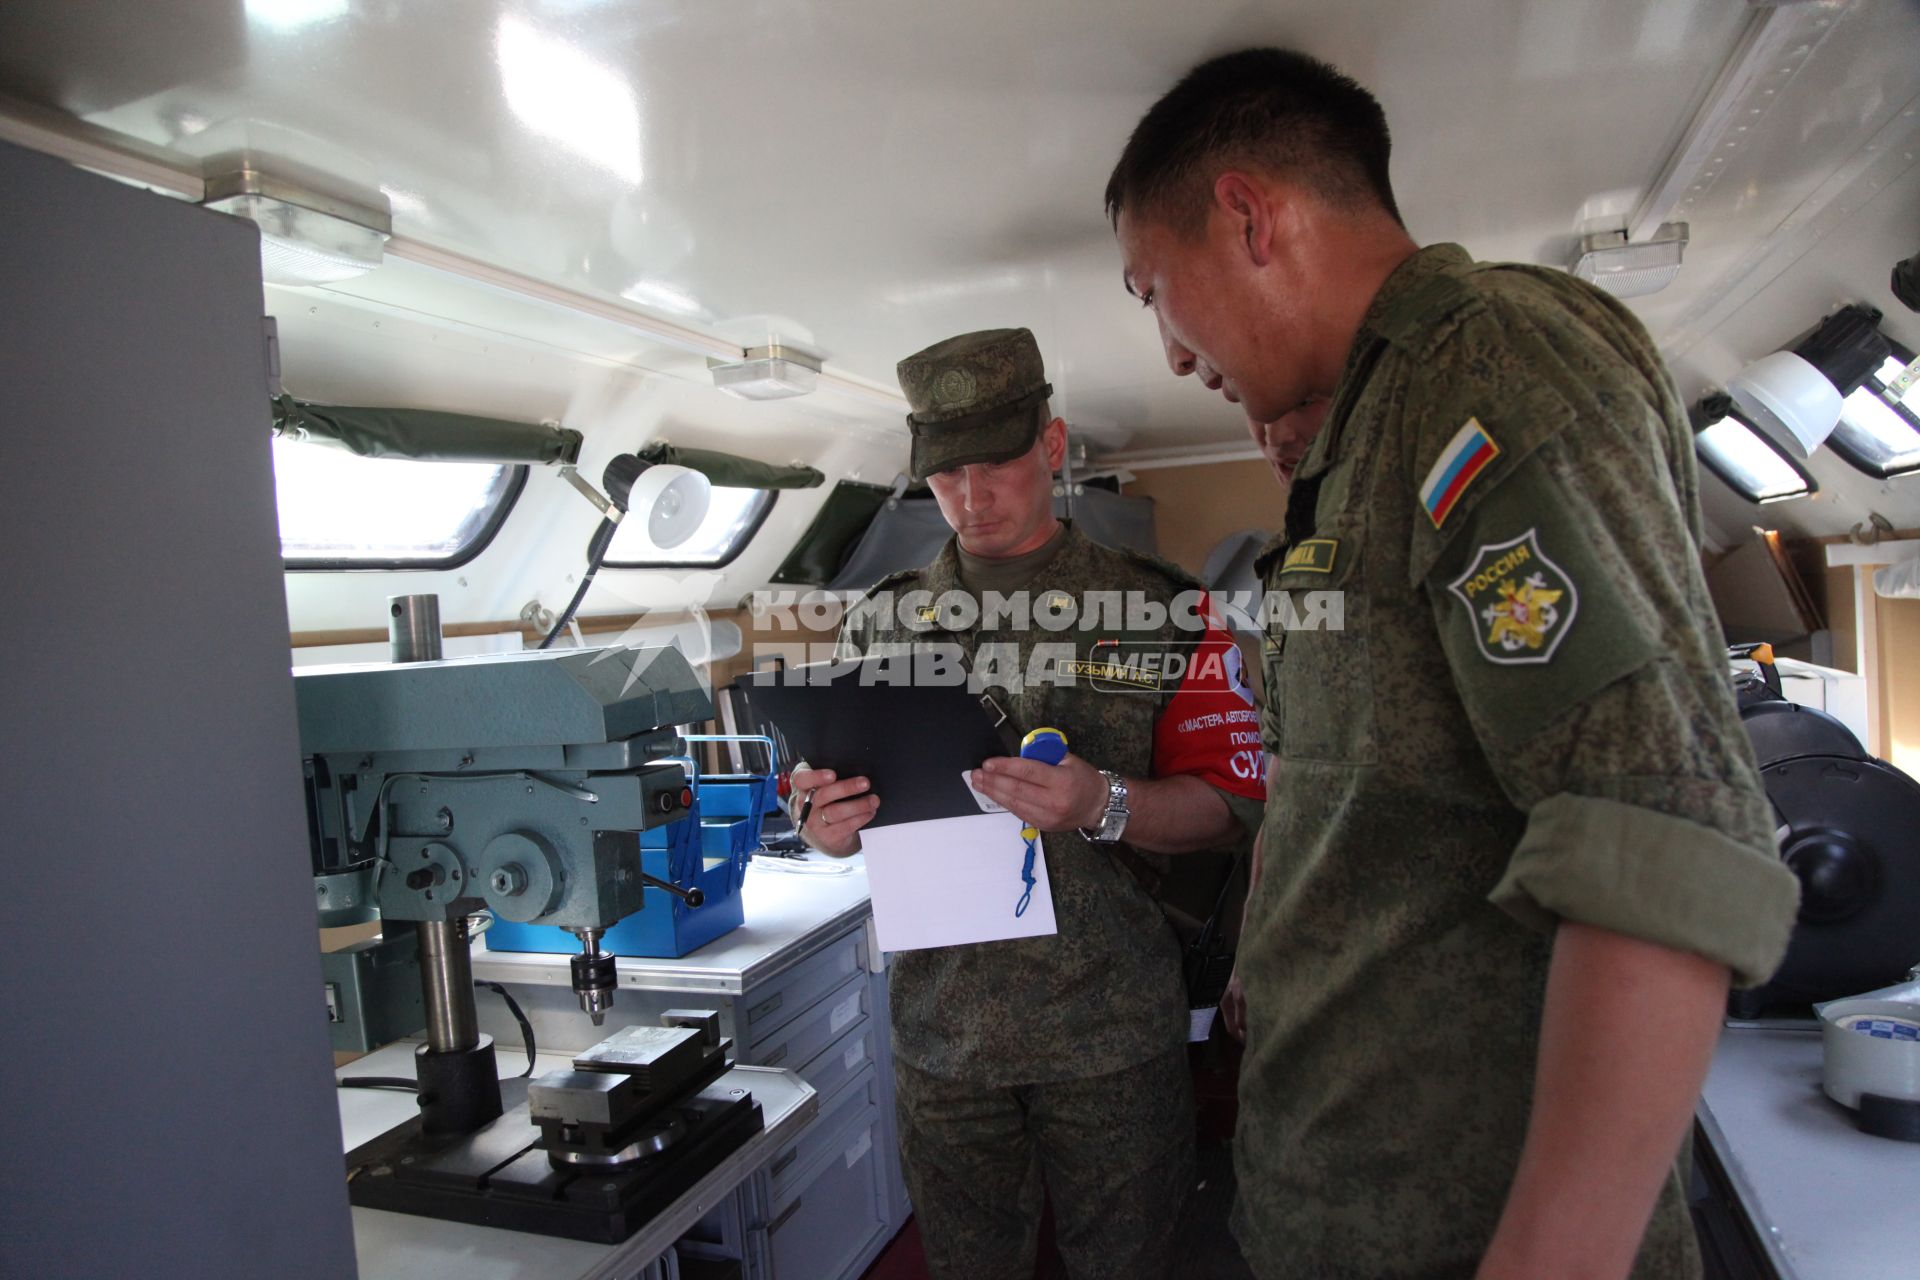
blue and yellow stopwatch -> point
(1048, 746)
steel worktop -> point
(789, 915)
(1825, 1201)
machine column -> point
(459, 1083)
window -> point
(1755, 467)
(1881, 439)
(733, 517)
(342, 511)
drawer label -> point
(856, 1053)
(861, 1146)
(844, 1013)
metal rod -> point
(692, 897)
(446, 964)
(1775, 43)
(446, 973)
(667, 332)
(413, 628)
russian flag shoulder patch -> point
(1465, 457)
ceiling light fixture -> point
(772, 372)
(1632, 269)
(305, 237)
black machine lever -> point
(692, 897)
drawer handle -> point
(765, 1007)
(775, 1058)
(778, 1166)
(781, 1221)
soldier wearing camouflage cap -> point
(1056, 1063)
(980, 397)
(1516, 843)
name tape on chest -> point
(1465, 457)
(1132, 673)
(1520, 604)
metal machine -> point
(518, 785)
(1849, 828)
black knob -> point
(1837, 877)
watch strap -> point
(1114, 820)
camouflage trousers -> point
(1114, 1153)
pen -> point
(806, 806)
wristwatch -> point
(1114, 820)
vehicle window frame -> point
(1799, 469)
(1857, 461)
(465, 555)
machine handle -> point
(692, 897)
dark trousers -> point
(1114, 1153)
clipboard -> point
(915, 742)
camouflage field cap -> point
(980, 397)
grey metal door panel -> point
(169, 1102)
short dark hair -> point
(1276, 110)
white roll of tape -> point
(1872, 1046)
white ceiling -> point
(879, 175)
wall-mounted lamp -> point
(1799, 393)
(305, 237)
(672, 499)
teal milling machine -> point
(524, 786)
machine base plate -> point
(500, 1176)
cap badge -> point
(955, 386)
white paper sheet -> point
(952, 881)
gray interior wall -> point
(166, 1101)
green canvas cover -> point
(424, 435)
(731, 471)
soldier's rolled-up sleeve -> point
(1575, 622)
(1614, 866)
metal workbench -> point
(800, 986)
(1823, 1200)
(402, 1246)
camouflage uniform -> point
(1060, 1060)
(1062, 1053)
(1525, 718)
